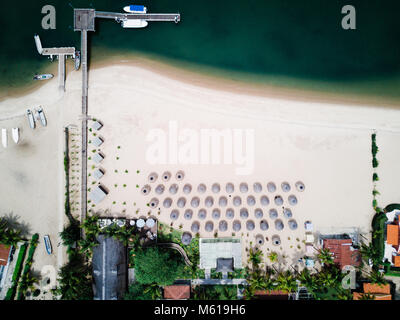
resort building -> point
(392, 252)
(343, 250)
(222, 254)
(177, 292)
(378, 291)
(5, 253)
(109, 269)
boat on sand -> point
(15, 134)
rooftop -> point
(343, 251)
(109, 269)
(212, 249)
(392, 234)
(177, 292)
(4, 254)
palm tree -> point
(325, 256)
(154, 291)
(255, 257)
(377, 277)
(369, 252)
(308, 280)
(329, 278)
(273, 257)
(286, 282)
(344, 294)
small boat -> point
(15, 134)
(135, 9)
(133, 23)
(46, 76)
(4, 137)
(47, 243)
(41, 116)
(31, 119)
(77, 60)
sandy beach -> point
(325, 145)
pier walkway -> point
(84, 21)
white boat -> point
(135, 9)
(133, 23)
(45, 76)
(77, 60)
(42, 117)
(47, 243)
(31, 119)
(15, 134)
(4, 138)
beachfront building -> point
(5, 254)
(378, 291)
(392, 240)
(343, 249)
(109, 269)
(222, 254)
(177, 292)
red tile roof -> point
(177, 292)
(380, 292)
(4, 253)
(396, 261)
(392, 234)
(271, 294)
(342, 253)
(376, 288)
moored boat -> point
(77, 60)
(135, 9)
(42, 117)
(46, 76)
(31, 119)
(15, 134)
(47, 243)
(4, 138)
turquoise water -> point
(302, 40)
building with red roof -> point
(177, 292)
(342, 249)
(4, 254)
(378, 291)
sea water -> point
(275, 39)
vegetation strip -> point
(17, 271)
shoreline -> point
(228, 81)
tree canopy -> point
(158, 265)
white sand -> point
(327, 146)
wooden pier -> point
(84, 21)
(61, 53)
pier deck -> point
(68, 51)
(84, 21)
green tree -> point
(286, 282)
(377, 277)
(8, 235)
(255, 257)
(325, 256)
(75, 281)
(158, 265)
(273, 257)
